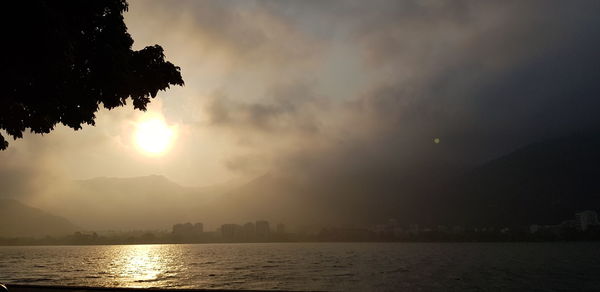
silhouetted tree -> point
(63, 59)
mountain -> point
(333, 199)
(155, 202)
(545, 182)
(17, 219)
(275, 198)
(148, 202)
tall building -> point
(249, 231)
(280, 228)
(188, 232)
(198, 228)
(231, 232)
(182, 229)
(262, 229)
(586, 219)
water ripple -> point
(312, 266)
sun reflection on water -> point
(141, 265)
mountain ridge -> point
(18, 220)
(543, 182)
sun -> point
(153, 136)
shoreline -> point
(294, 242)
(52, 288)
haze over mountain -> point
(149, 202)
(17, 219)
(545, 182)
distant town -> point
(583, 226)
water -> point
(313, 266)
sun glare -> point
(153, 136)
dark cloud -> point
(485, 77)
(492, 76)
(285, 109)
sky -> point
(363, 89)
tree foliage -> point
(64, 59)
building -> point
(414, 229)
(534, 228)
(231, 232)
(280, 228)
(188, 231)
(586, 219)
(198, 228)
(262, 229)
(249, 231)
(182, 229)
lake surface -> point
(312, 266)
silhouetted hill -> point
(545, 182)
(335, 199)
(272, 197)
(17, 219)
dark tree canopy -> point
(63, 59)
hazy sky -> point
(357, 87)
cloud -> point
(247, 33)
(349, 95)
(484, 77)
(285, 109)
(487, 75)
